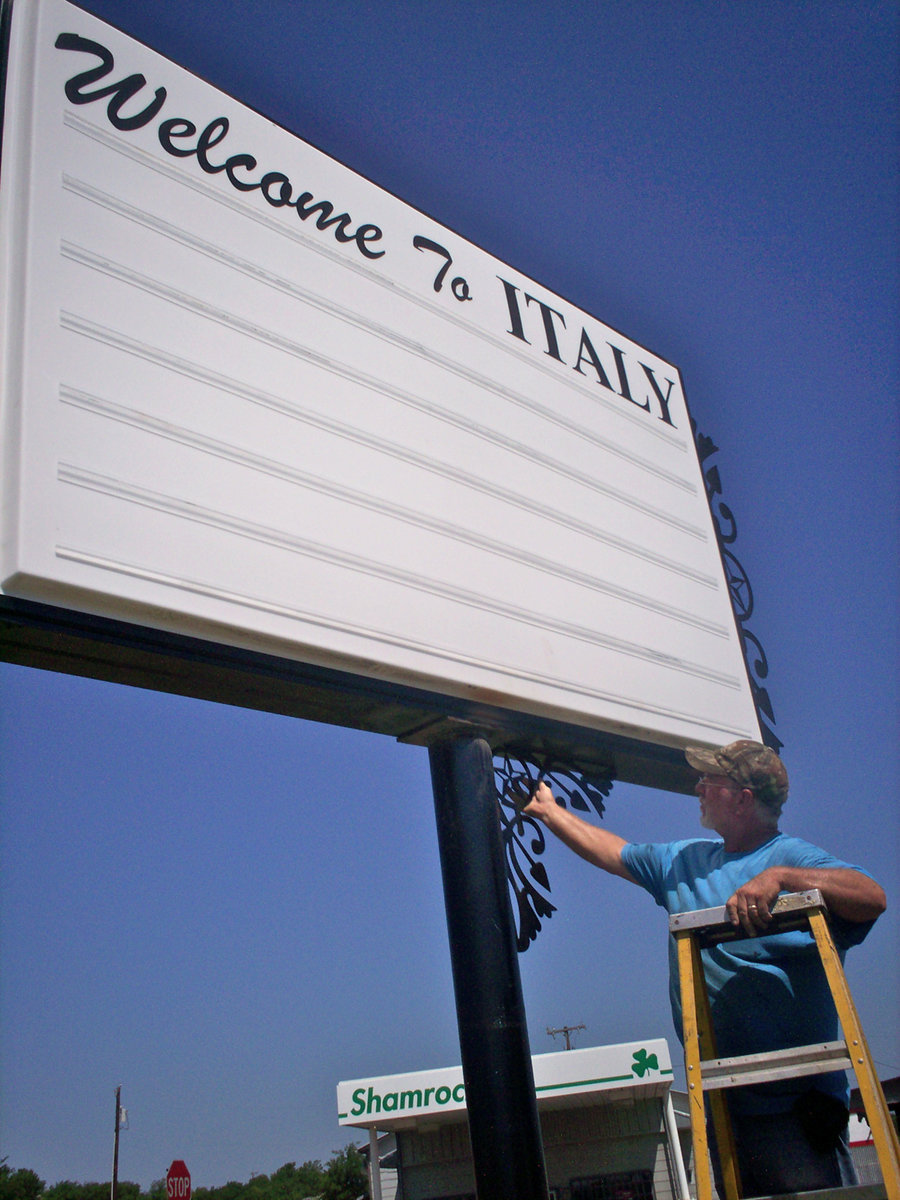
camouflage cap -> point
(750, 764)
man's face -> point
(716, 793)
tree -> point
(346, 1177)
(291, 1182)
(342, 1178)
(19, 1185)
(67, 1190)
(228, 1191)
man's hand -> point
(750, 908)
(848, 893)
(541, 802)
(596, 845)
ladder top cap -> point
(787, 905)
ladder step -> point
(776, 1064)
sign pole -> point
(507, 1151)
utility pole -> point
(114, 1189)
(566, 1029)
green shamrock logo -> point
(644, 1062)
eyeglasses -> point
(705, 781)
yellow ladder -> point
(708, 1074)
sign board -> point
(250, 397)
(178, 1181)
(601, 1072)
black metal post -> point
(503, 1122)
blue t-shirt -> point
(766, 993)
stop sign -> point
(178, 1181)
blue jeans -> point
(774, 1156)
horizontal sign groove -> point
(184, 510)
(383, 332)
(378, 635)
(247, 210)
(294, 475)
(205, 310)
(294, 410)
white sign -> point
(392, 1100)
(251, 397)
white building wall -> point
(436, 1162)
(599, 1140)
(607, 1140)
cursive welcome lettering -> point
(119, 92)
(179, 137)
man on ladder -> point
(765, 993)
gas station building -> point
(607, 1123)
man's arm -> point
(597, 846)
(849, 894)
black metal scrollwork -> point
(739, 588)
(523, 836)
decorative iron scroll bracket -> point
(739, 589)
(523, 837)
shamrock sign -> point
(644, 1062)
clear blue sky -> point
(227, 912)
